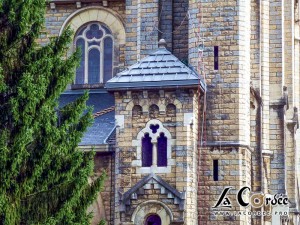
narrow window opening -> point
(153, 111)
(216, 170)
(137, 111)
(216, 57)
(162, 154)
(147, 151)
(171, 110)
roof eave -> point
(119, 86)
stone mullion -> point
(154, 154)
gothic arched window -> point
(147, 146)
(96, 43)
(162, 150)
(157, 148)
(154, 149)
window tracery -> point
(96, 43)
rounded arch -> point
(100, 14)
(171, 109)
(177, 103)
(137, 111)
(130, 105)
(152, 207)
(153, 111)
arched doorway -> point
(153, 220)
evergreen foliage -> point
(43, 177)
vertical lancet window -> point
(94, 66)
(147, 147)
(157, 148)
(80, 43)
(108, 54)
(154, 149)
(162, 150)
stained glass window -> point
(96, 43)
(94, 66)
(80, 43)
(108, 54)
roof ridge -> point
(104, 111)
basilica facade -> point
(195, 107)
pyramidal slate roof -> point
(160, 69)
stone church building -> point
(191, 98)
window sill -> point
(154, 169)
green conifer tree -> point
(43, 176)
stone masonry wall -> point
(105, 162)
(234, 171)
(147, 22)
(180, 29)
(182, 175)
(165, 22)
(229, 87)
(55, 18)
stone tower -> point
(156, 103)
(243, 116)
(251, 61)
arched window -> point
(162, 150)
(153, 220)
(154, 149)
(159, 148)
(137, 111)
(147, 151)
(171, 110)
(96, 43)
(153, 111)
